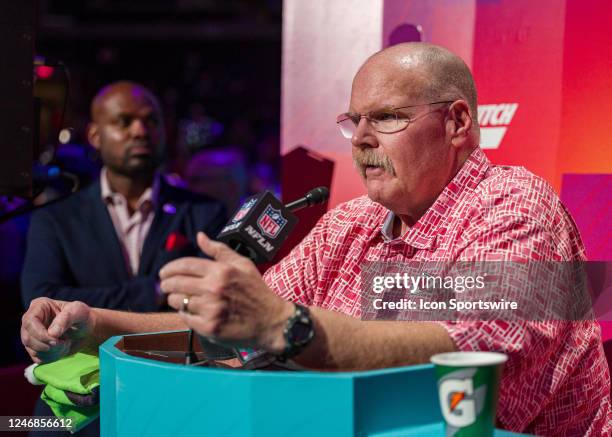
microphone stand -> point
(191, 357)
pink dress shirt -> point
(131, 229)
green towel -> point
(78, 373)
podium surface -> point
(141, 396)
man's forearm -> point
(345, 343)
(107, 323)
(340, 342)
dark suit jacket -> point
(74, 253)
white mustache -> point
(365, 159)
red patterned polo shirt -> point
(556, 380)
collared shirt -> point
(556, 380)
(131, 229)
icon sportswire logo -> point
(494, 121)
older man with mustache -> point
(432, 196)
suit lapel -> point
(168, 214)
(104, 232)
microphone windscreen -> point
(318, 195)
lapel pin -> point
(169, 208)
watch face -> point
(300, 333)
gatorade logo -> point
(494, 121)
(459, 401)
(458, 408)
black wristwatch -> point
(298, 332)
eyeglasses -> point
(385, 121)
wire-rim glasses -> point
(386, 121)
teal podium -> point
(142, 394)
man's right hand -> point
(51, 329)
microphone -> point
(43, 175)
(313, 197)
(257, 230)
(261, 225)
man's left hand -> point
(228, 300)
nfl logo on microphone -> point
(270, 222)
(244, 209)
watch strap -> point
(301, 316)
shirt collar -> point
(422, 235)
(149, 197)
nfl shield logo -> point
(244, 209)
(271, 222)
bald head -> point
(412, 117)
(123, 89)
(126, 128)
(429, 71)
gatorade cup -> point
(468, 388)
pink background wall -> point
(324, 43)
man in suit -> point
(105, 244)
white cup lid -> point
(469, 359)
